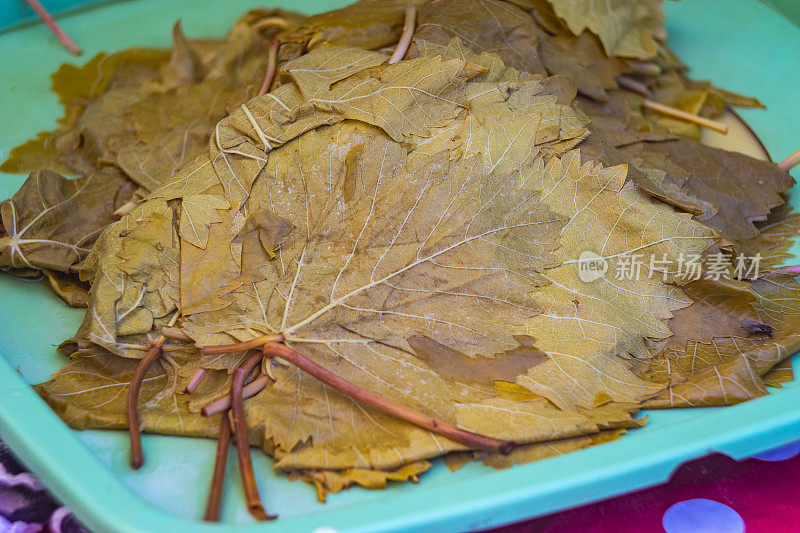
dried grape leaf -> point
(70, 289)
(135, 281)
(334, 481)
(317, 72)
(589, 330)
(52, 222)
(542, 450)
(779, 374)
(580, 56)
(775, 236)
(726, 366)
(198, 212)
(489, 26)
(366, 24)
(90, 392)
(625, 27)
(724, 179)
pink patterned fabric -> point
(714, 494)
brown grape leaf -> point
(728, 297)
(341, 241)
(625, 27)
(724, 179)
(52, 222)
(366, 24)
(776, 236)
(579, 57)
(779, 374)
(724, 365)
(490, 26)
(69, 288)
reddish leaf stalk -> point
(240, 434)
(218, 479)
(60, 34)
(195, 380)
(223, 404)
(272, 66)
(134, 428)
(241, 346)
(468, 438)
(688, 117)
(408, 33)
(790, 162)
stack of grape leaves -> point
(373, 264)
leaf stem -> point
(134, 428)
(645, 68)
(60, 34)
(790, 162)
(683, 115)
(218, 479)
(241, 346)
(271, 22)
(468, 438)
(272, 65)
(408, 33)
(240, 434)
(124, 209)
(195, 380)
(223, 404)
(175, 334)
(632, 85)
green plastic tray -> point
(742, 45)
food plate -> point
(742, 45)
